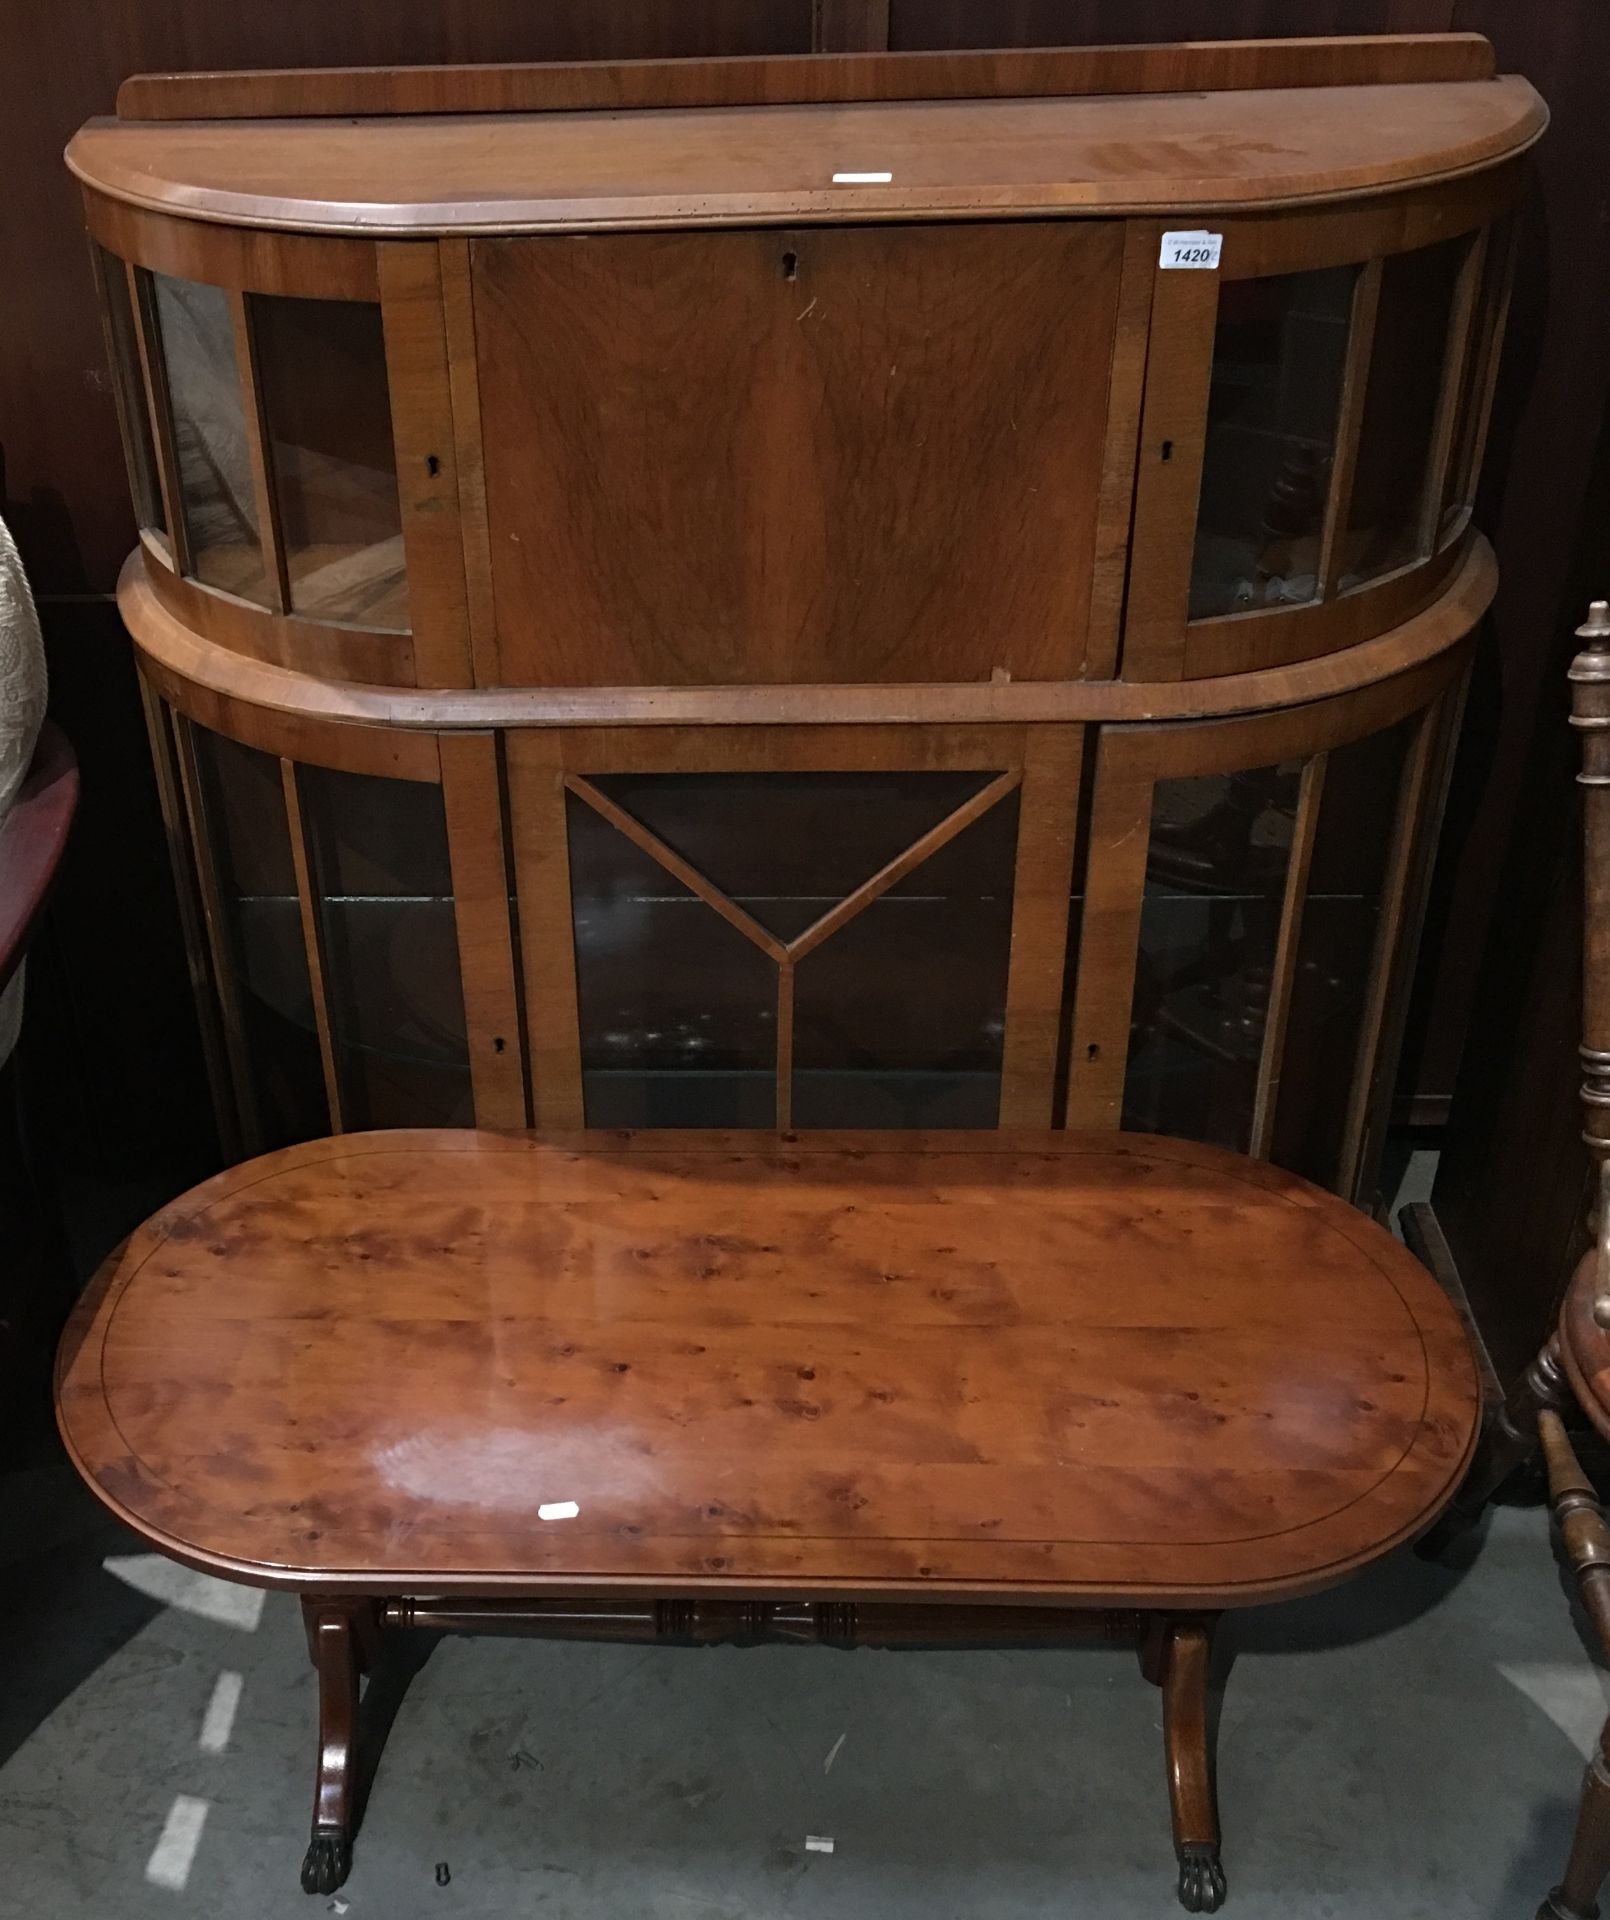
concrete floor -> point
(1406, 1746)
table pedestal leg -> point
(1193, 1800)
(340, 1634)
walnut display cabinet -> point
(891, 591)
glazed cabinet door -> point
(794, 927)
(842, 454)
(1252, 896)
(1313, 422)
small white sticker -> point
(558, 1510)
(862, 179)
(818, 1843)
(1191, 250)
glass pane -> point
(1210, 925)
(1278, 356)
(787, 846)
(899, 1015)
(130, 390)
(385, 892)
(209, 436)
(243, 800)
(321, 365)
(678, 1010)
(1384, 517)
(1341, 913)
(1459, 491)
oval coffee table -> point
(888, 1388)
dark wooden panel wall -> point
(1031, 23)
(120, 996)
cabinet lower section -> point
(1197, 927)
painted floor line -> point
(219, 1720)
(175, 1851)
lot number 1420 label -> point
(1191, 249)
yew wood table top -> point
(1108, 1369)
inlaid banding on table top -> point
(843, 1360)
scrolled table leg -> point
(340, 1639)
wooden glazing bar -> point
(426, 444)
(785, 1044)
(1109, 941)
(126, 379)
(159, 406)
(1168, 467)
(159, 725)
(541, 847)
(1116, 502)
(313, 943)
(1462, 319)
(1392, 954)
(1266, 1098)
(1444, 721)
(1042, 882)
(218, 943)
(1494, 322)
(1349, 423)
(1201, 66)
(472, 799)
(675, 865)
(257, 451)
(464, 383)
(903, 863)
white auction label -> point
(1191, 250)
(862, 179)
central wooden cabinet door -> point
(813, 455)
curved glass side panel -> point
(129, 387)
(1279, 352)
(1341, 917)
(321, 370)
(196, 336)
(1477, 378)
(266, 992)
(1209, 930)
(1388, 525)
